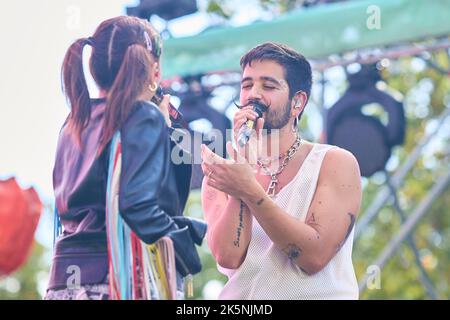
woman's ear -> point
(156, 72)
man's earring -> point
(295, 125)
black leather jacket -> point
(152, 196)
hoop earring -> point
(153, 87)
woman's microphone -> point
(245, 131)
(175, 116)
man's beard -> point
(277, 119)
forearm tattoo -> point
(260, 201)
(241, 224)
(349, 230)
(292, 251)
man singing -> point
(281, 227)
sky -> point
(35, 38)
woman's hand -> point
(233, 176)
(164, 107)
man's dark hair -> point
(296, 68)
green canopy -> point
(315, 32)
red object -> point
(20, 211)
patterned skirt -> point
(88, 292)
(85, 292)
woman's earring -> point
(153, 87)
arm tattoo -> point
(260, 201)
(349, 230)
(292, 251)
(241, 224)
(312, 220)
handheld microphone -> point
(175, 116)
(245, 131)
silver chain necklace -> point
(271, 190)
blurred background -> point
(381, 90)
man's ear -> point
(299, 102)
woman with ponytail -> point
(125, 64)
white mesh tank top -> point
(267, 272)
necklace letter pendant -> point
(272, 186)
